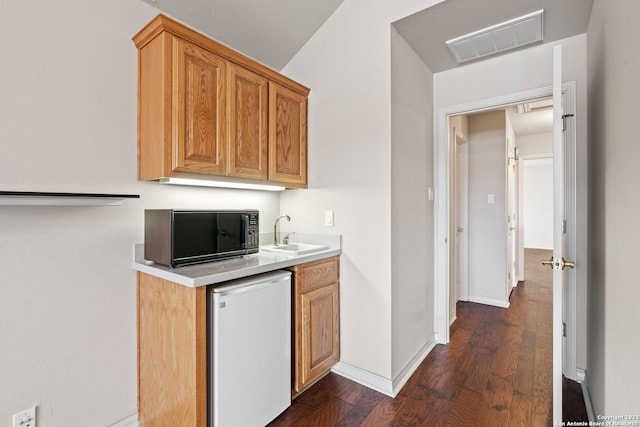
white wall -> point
(535, 145)
(538, 203)
(411, 211)
(347, 65)
(487, 221)
(519, 71)
(614, 344)
(68, 309)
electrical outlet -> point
(26, 418)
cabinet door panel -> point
(199, 110)
(319, 345)
(317, 274)
(248, 121)
(172, 353)
(287, 136)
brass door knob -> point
(557, 264)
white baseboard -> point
(382, 384)
(452, 318)
(586, 395)
(403, 376)
(489, 301)
(130, 420)
(365, 378)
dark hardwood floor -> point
(496, 371)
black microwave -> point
(181, 237)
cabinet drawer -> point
(313, 275)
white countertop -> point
(221, 271)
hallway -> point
(496, 371)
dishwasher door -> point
(250, 350)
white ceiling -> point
(532, 123)
(271, 32)
(428, 30)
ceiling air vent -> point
(508, 35)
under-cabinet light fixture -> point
(220, 184)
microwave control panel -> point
(253, 233)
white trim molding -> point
(489, 301)
(365, 378)
(379, 383)
(586, 395)
(403, 376)
(129, 420)
(441, 211)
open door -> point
(462, 219)
(512, 217)
(558, 262)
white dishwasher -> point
(249, 350)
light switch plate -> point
(491, 199)
(328, 218)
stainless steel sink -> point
(293, 249)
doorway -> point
(504, 142)
(444, 166)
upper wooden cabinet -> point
(287, 136)
(248, 123)
(205, 109)
(198, 109)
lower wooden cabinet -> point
(172, 342)
(316, 319)
(172, 353)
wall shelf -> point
(37, 198)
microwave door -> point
(231, 232)
(195, 235)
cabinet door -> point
(287, 136)
(248, 113)
(317, 329)
(198, 110)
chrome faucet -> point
(275, 228)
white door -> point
(512, 277)
(462, 219)
(559, 234)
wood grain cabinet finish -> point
(198, 110)
(205, 109)
(172, 353)
(287, 136)
(248, 123)
(316, 314)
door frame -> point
(442, 183)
